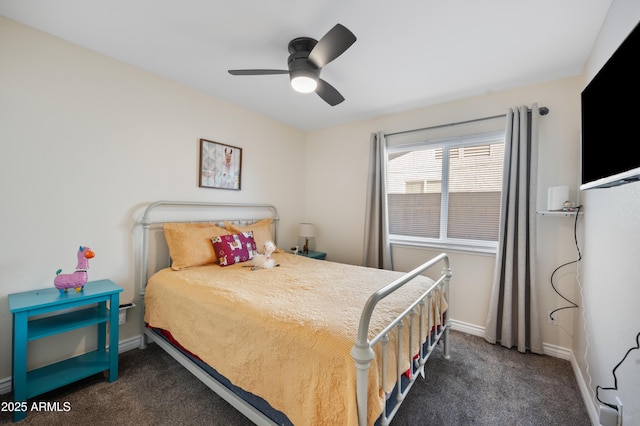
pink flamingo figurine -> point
(77, 279)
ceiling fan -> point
(307, 56)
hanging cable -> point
(575, 237)
(615, 378)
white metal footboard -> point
(363, 353)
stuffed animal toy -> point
(264, 261)
(77, 279)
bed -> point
(305, 342)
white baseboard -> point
(128, 344)
(547, 348)
(557, 351)
(475, 330)
(5, 385)
(468, 328)
(589, 402)
(123, 346)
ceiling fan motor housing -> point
(302, 44)
(299, 65)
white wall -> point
(86, 142)
(337, 171)
(609, 321)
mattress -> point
(285, 334)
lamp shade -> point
(307, 230)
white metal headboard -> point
(160, 212)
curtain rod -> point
(541, 110)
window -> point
(446, 192)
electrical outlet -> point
(610, 416)
(607, 416)
(552, 319)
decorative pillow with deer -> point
(234, 248)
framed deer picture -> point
(220, 165)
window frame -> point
(447, 144)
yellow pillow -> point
(190, 243)
(261, 232)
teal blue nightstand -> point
(27, 384)
(315, 255)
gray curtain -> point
(513, 318)
(377, 249)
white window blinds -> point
(446, 190)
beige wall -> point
(337, 167)
(86, 142)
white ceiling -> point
(409, 53)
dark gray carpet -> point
(481, 384)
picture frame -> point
(220, 165)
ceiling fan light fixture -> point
(304, 81)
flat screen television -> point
(611, 120)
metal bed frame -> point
(361, 352)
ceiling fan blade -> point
(328, 93)
(332, 45)
(257, 72)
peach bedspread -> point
(284, 334)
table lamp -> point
(306, 231)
